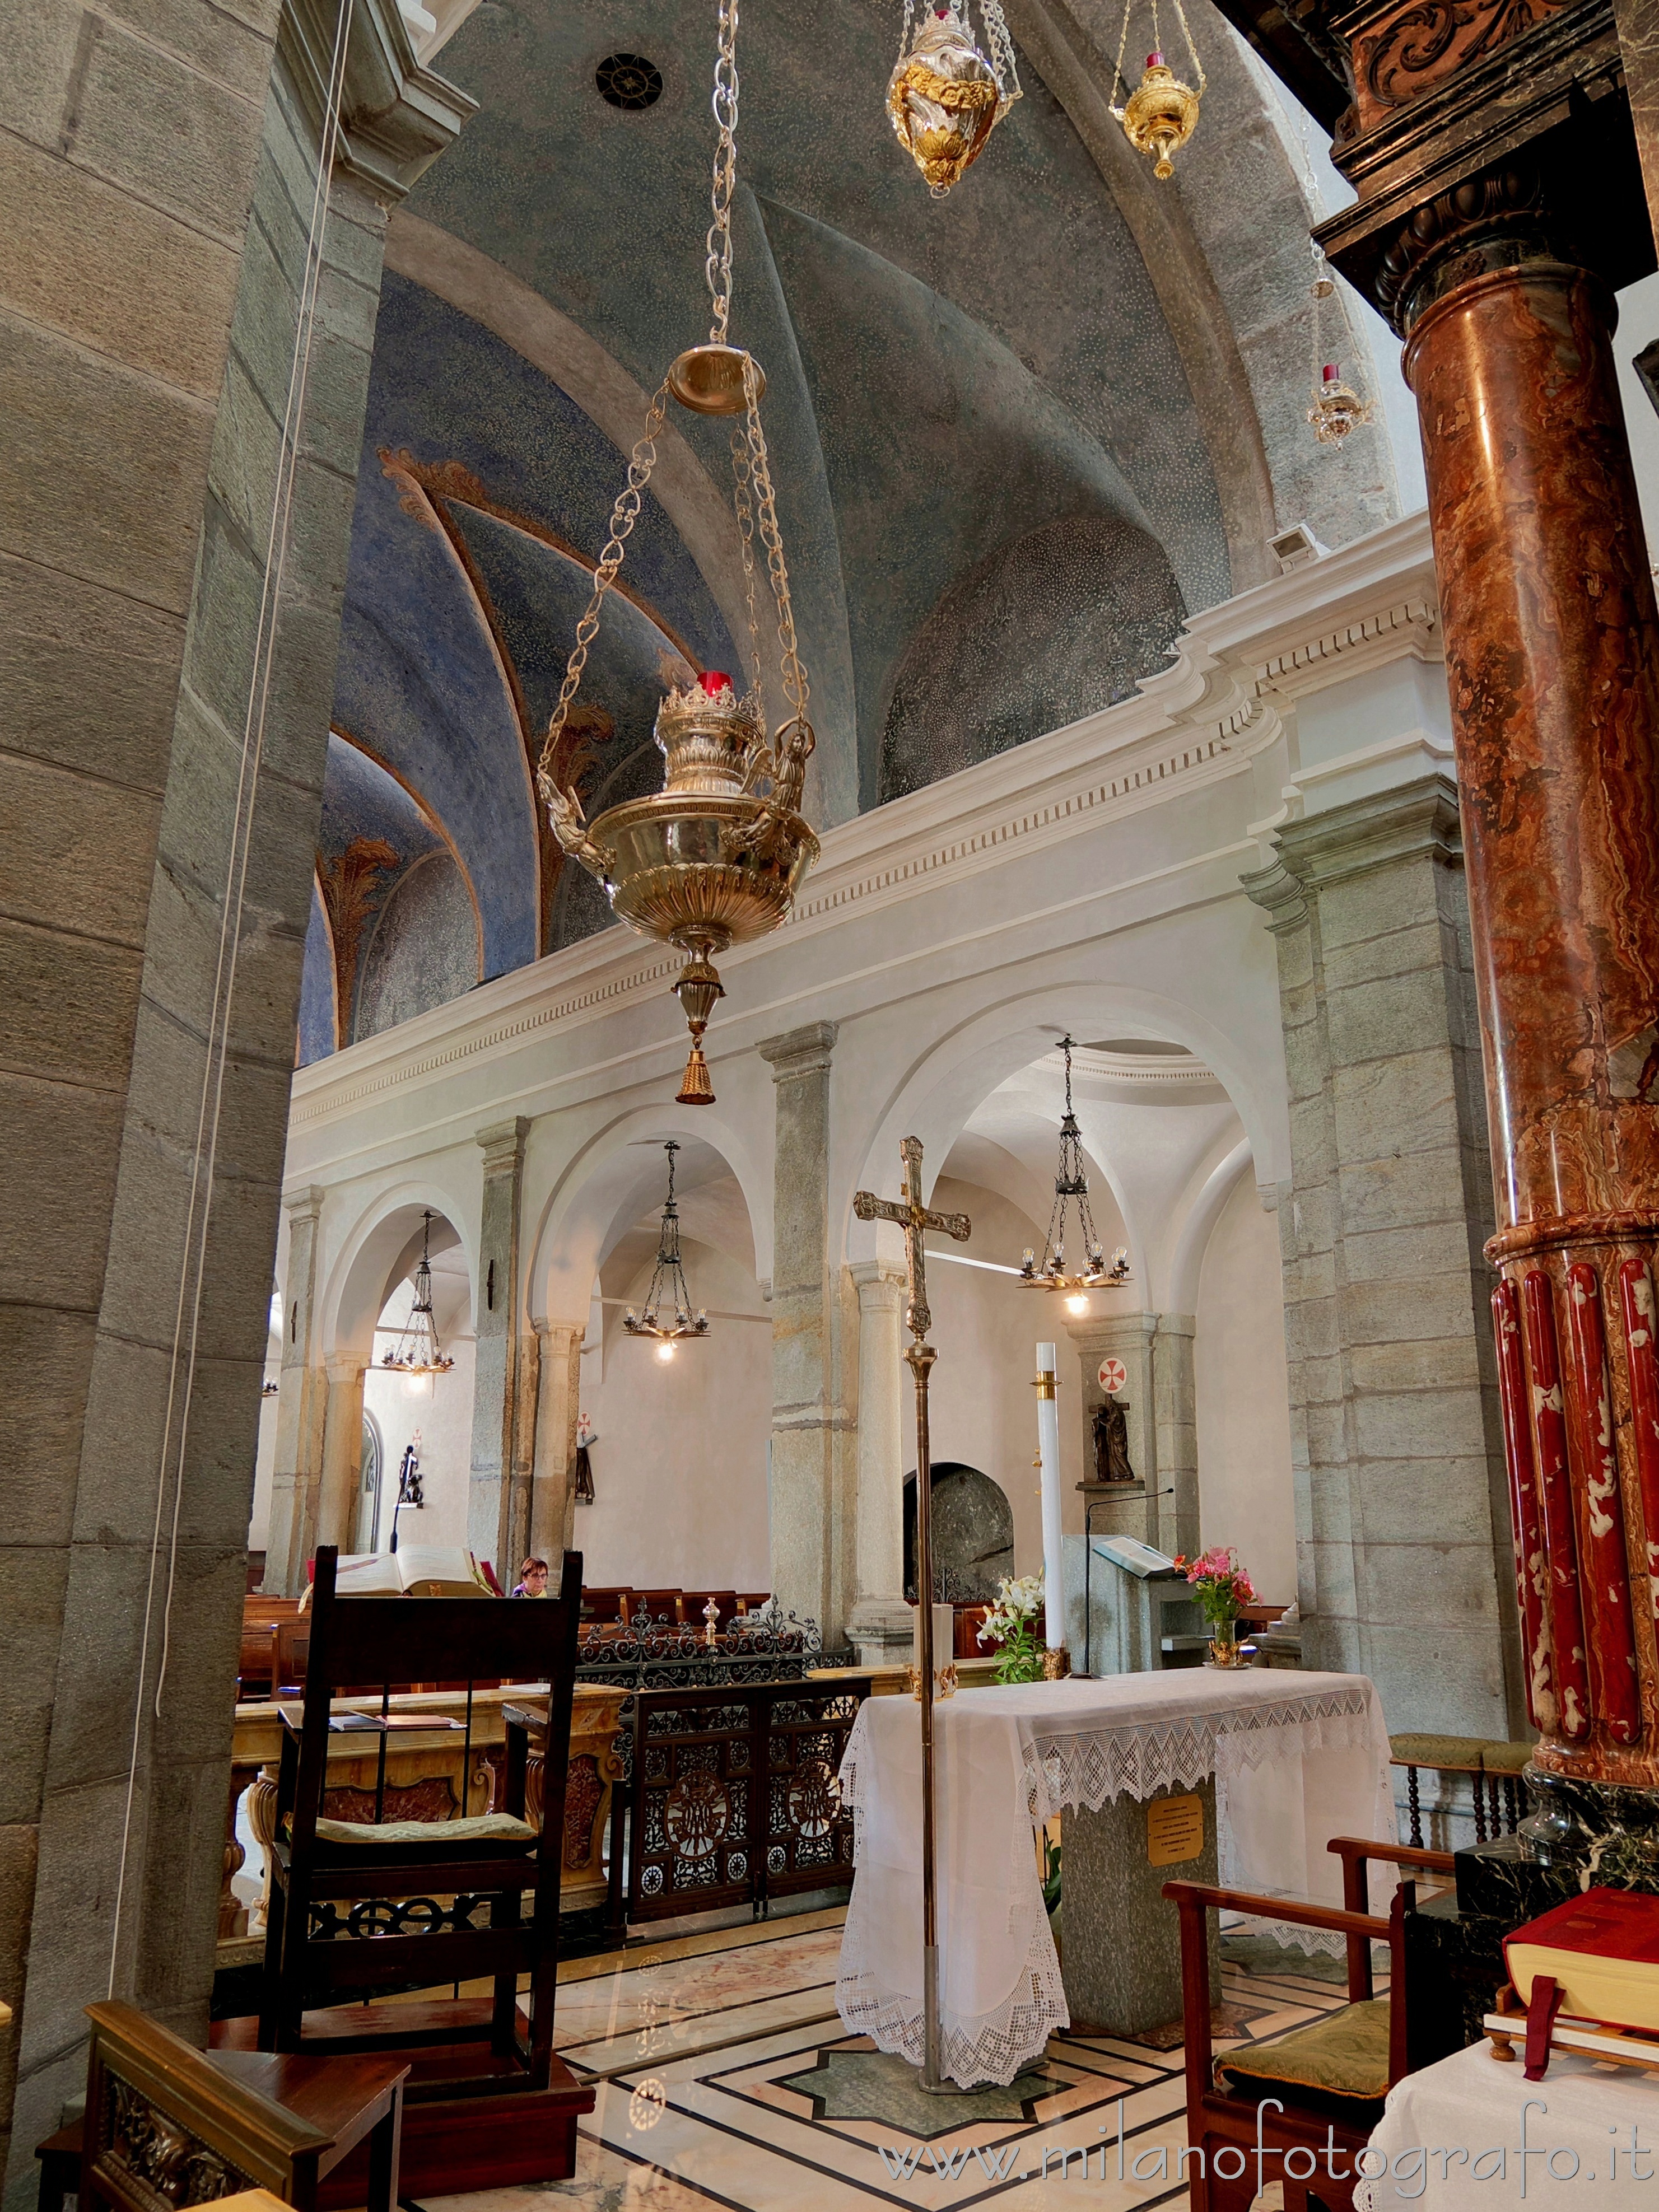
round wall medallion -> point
(629, 81)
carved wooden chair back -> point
(354, 1912)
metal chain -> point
(623, 516)
(725, 171)
(794, 676)
(741, 502)
(1118, 78)
(1198, 66)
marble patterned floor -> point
(725, 2078)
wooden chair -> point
(602, 1608)
(1329, 2077)
(168, 2124)
(692, 1605)
(662, 1606)
(362, 1908)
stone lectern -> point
(1142, 1613)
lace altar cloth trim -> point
(994, 2048)
(1091, 1767)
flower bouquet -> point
(1221, 1586)
(1013, 1626)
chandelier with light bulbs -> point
(1071, 1188)
(715, 857)
(668, 1283)
(417, 1353)
(948, 92)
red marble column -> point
(1552, 660)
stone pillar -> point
(552, 1496)
(149, 302)
(301, 1395)
(1175, 1412)
(804, 1416)
(1129, 1509)
(1552, 660)
(1396, 1450)
(490, 1514)
(342, 1452)
(881, 1626)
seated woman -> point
(532, 1579)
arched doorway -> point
(972, 1535)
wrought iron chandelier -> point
(417, 1352)
(948, 94)
(668, 1283)
(1071, 1185)
(715, 857)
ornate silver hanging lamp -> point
(716, 856)
(948, 92)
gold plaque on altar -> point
(1175, 1830)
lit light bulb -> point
(416, 1386)
(665, 1351)
(1077, 1303)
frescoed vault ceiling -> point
(999, 494)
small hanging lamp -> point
(417, 1353)
(1072, 1186)
(947, 93)
(1160, 115)
(668, 1283)
(1336, 407)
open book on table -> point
(415, 1571)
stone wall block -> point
(48, 1356)
(1418, 1189)
(178, 139)
(1404, 1256)
(102, 468)
(70, 1008)
(196, 840)
(1410, 1311)
(1404, 1104)
(135, 284)
(1395, 1487)
(1391, 1015)
(183, 928)
(38, 39)
(32, 1585)
(125, 1431)
(1417, 949)
(1433, 1364)
(1377, 903)
(62, 1146)
(1429, 1583)
(67, 835)
(232, 44)
(87, 677)
(1441, 1677)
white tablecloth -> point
(1582, 2112)
(1298, 1758)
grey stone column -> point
(804, 1415)
(552, 1526)
(881, 1626)
(342, 1452)
(1174, 1410)
(1129, 1337)
(148, 306)
(489, 1516)
(301, 1392)
(1402, 1519)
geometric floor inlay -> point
(875, 2085)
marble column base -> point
(1576, 1828)
(1120, 1940)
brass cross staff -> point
(915, 1218)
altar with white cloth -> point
(1296, 1760)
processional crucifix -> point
(914, 1219)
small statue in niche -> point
(1111, 1435)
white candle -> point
(1054, 1587)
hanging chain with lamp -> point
(668, 1283)
(1160, 115)
(715, 857)
(417, 1353)
(947, 93)
(1072, 1187)
(1335, 408)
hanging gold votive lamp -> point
(1160, 115)
(947, 93)
(715, 857)
(1336, 407)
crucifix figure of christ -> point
(915, 1219)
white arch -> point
(1195, 1231)
(613, 1170)
(358, 1277)
(948, 1077)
